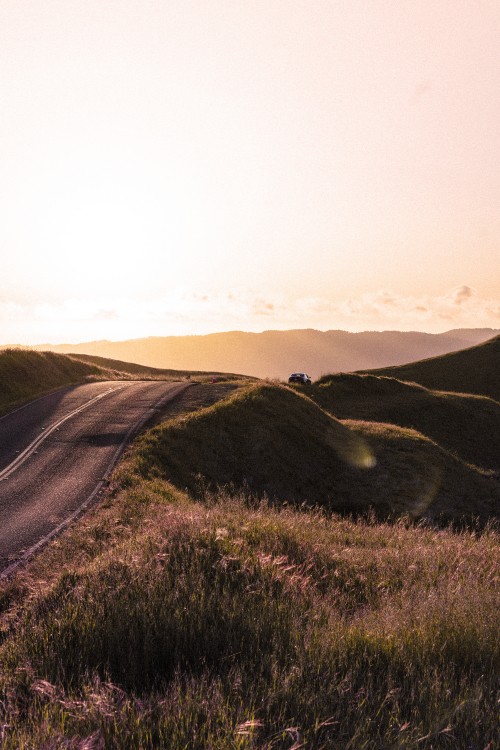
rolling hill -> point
(25, 374)
(274, 354)
(201, 619)
(473, 370)
(270, 441)
(466, 425)
(452, 399)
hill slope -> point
(269, 440)
(26, 374)
(160, 623)
(275, 354)
(145, 371)
(466, 425)
(474, 370)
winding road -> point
(56, 454)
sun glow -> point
(253, 166)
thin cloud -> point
(461, 307)
(263, 308)
(202, 311)
(461, 294)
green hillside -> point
(475, 370)
(271, 441)
(466, 425)
(27, 374)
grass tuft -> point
(259, 628)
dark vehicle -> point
(299, 377)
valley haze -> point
(275, 354)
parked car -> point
(299, 377)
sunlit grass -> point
(25, 375)
(181, 624)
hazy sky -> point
(172, 166)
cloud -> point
(461, 294)
(460, 306)
(263, 308)
(199, 311)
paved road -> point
(56, 452)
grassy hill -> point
(271, 441)
(27, 374)
(466, 425)
(146, 372)
(209, 619)
(474, 370)
(159, 622)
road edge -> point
(98, 489)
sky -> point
(175, 167)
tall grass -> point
(165, 621)
(224, 626)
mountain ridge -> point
(274, 354)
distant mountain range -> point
(275, 354)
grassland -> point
(163, 622)
(145, 372)
(206, 605)
(26, 374)
(466, 425)
(271, 441)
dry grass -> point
(147, 373)
(210, 619)
(26, 374)
(178, 624)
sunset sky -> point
(172, 166)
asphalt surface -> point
(56, 454)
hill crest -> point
(473, 370)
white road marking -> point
(28, 554)
(46, 431)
